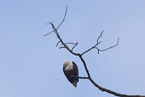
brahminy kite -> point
(71, 72)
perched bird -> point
(70, 69)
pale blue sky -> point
(31, 65)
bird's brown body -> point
(70, 70)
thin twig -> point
(74, 46)
(95, 44)
(57, 43)
(110, 47)
(89, 49)
(60, 22)
(99, 37)
(64, 45)
(63, 17)
(70, 43)
(80, 77)
(48, 33)
(61, 47)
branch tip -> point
(63, 17)
(100, 36)
(57, 43)
(118, 41)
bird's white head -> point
(68, 65)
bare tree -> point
(80, 55)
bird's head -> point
(67, 65)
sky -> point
(31, 65)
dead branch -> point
(65, 45)
(98, 42)
(70, 43)
(99, 37)
(80, 77)
(95, 46)
(74, 46)
(62, 42)
(63, 18)
(59, 24)
(109, 47)
(57, 43)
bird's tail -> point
(75, 83)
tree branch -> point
(61, 41)
(64, 45)
(59, 24)
(99, 37)
(98, 42)
(108, 47)
(57, 43)
(80, 77)
(63, 17)
(74, 46)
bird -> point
(71, 72)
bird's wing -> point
(76, 71)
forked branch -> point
(97, 43)
(65, 45)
